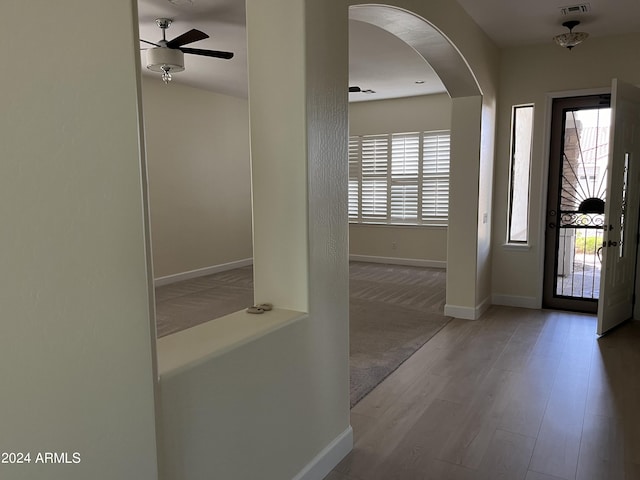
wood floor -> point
(517, 395)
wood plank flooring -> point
(517, 395)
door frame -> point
(544, 176)
(551, 240)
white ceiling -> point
(378, 60)
(517, 22)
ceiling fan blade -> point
(208, 53)
(150, 43)
(191, 36)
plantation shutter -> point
(354, 178)
(435, 178)
(375, 167)
(400, 178)
(405, 165)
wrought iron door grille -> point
(580, 217)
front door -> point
(579, 153)
(621, 211)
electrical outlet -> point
(394, 245)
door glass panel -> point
(522, 136)
(623, 209)
(583, 183)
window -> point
(521, 136)
(400, 178)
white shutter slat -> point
(374, 199)
(353, 199)
(436, 152)
(354, 155)
(405, 155)
(405, 165)
(435, 178)
(435, 200)
(375, 168)
(404, 203)
(354, 178)
(375, 155)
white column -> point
(462, 239)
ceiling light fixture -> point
(165, 61)
(571, 39)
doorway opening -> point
(579, 152)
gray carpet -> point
(394, 310)
(188, 303)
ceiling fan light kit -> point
(570, 39)
(165, 61)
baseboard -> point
(412, 262)
(328, 458)
(483, 307)
(201, 272)
(467, 313)
(516, 301)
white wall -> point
(528, 75)
(425, 246)
(413, 114)
(199, 177)
(76, 351)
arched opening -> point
(430, 43)
(399, 137)
(467, 111)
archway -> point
(427, 40)
(463, 299)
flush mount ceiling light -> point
(570, 39)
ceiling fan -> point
(356, 89)
(168, 55)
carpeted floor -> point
(393, 311)
(188, 303)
